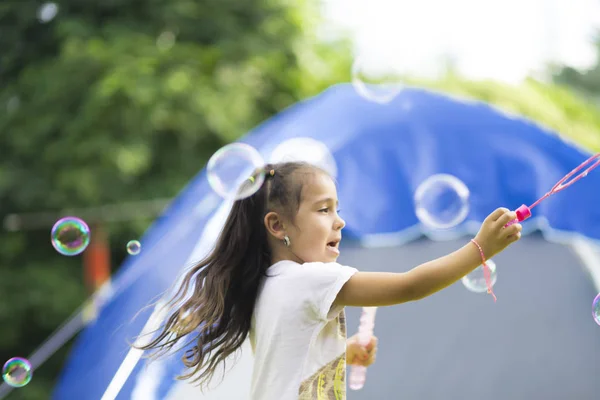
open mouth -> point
(333, 246)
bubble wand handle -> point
(524, 212)
(358, 374)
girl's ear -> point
(274, 225)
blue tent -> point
(383, 153)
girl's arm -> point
(376, 289)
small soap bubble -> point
(182, 325)
(134, 247)
(17, 372)
(307, 150)
(376, 80)
(47, 12)
(70, 236)
(232, 171)
(596, 309)
(442, 201)
(166, 40)
(475, 280)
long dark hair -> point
(225, 284)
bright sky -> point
(503, 39)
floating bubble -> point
(47, 12)
(166, 40)
(182, 325)
(475, 280)
(596, 309)
(134, 247)
(442, 201)
(230, 168)
(379, 81)
(17, 372)
(70, 236)
(305, 149)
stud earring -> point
(286, 241)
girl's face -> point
(316, 232)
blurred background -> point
(108, 109)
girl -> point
(273, 277)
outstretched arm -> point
(376, 289)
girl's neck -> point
(285, 257)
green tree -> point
(123, 100)
(584, 82)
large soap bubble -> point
(230, 168)
(442, 201)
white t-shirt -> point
(298, 340)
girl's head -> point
(293, 216)
(301, 218)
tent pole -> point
(63, 334)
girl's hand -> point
(359, 355)
(493, 237)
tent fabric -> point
(382, 152)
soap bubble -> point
(596, 309)
(182, 325)
(376, 80)
(70, 236)
(475, 280)
(230, 168)
(305, 149)
(442, 201)
(166, 40)
(46, 12)
(17, 372)
(134, 247)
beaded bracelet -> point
(486, 270)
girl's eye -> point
(326, 210)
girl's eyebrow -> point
(328, 200)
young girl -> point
(273, 277)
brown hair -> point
(225, 284)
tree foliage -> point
(585, 82)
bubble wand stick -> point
(358, 375)
(524, 212)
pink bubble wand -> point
(358, 374)
(524, 212)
